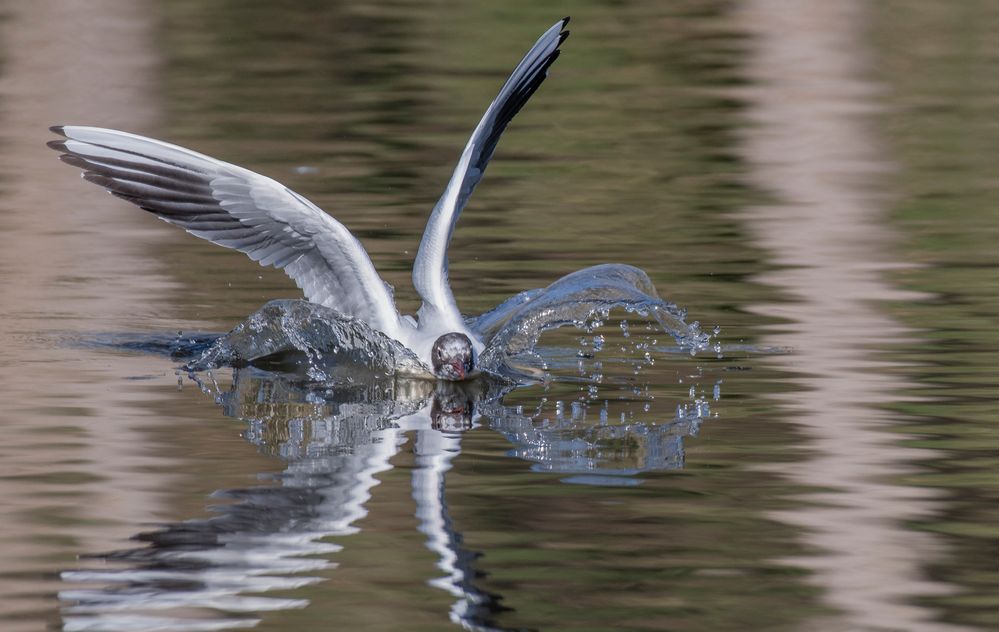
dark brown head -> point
(452, 357)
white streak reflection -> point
(213, 573)
(812, 145)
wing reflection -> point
(215, 573)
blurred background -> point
(808, 175)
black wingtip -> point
(99, 179)
(75, 161)
(563, 34)
(58, 145)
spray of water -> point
(330, 347)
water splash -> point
(328, 347)
(296, 335)
(583, 299)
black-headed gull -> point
(237, 208)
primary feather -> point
(236, 208)
(430, 270)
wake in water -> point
(298, 335)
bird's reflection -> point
(277, 536)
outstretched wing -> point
(240, 209)
(430, 269)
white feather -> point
(237, 208)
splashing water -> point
(295, 334)
(330, 347)
(330, 396)
(583, 299)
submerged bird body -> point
(237, 208)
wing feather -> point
(430, 270)
(236, 208)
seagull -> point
(239, 209)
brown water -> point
(808, 175)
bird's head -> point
(452, 357)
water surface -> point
(807, 177)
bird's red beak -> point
(459, 368)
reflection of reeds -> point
(78, 473)
(813, 148)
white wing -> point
(240, 209)
(430, 268)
